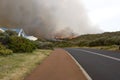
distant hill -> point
(89, 37)
(104, 39)
(88, 40)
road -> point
(99, 64)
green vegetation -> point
(15, 44)
(4, 51)
(103, 40)
(112, 47)
(11, 33)
(19, 56)
(19, 44)
(17, 66)
(44, 45)
(62, 44)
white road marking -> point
(113, 58)
(81, 68)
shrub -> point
(10, 33)
(4, 38)
(83, 43)
(63, 44)
(110, 41)
(4, 51)
(97, 42)
(19, 44)
(2, 34)
(2, 47)
(44, 45)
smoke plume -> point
(44, 18)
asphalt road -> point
(99, 64)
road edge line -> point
(81, 68)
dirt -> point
(58, 66)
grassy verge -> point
(111, 48)
(17, 66)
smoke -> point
(44, 18)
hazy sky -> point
(104, 13)
(51, 17)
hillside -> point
(104, 39)
(91, 40)
(96, 36)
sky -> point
(104, 13)
(47, 18)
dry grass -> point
(17, 66)
(112, 48)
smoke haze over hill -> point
(43, 18)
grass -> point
(17, 66)
(111, 48)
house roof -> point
(17, 30)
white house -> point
(20, 32)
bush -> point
(11, 33)
(19, 44)
(4, 51)
(83, 43)
(2, 47)
(4, 37)
(97, 42)
(110, 41)
(63, 44)
(44, 45)
(2, 34)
